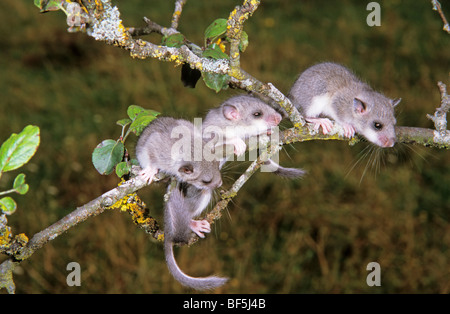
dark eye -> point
(187, 169)
(377, 125)
(206, 182)
(257, 114)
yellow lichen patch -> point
(21, 238)
(175, 58)
(236, 73)
(120, 204)
(124, 32)
(157, 54)
(5, 236)
(297, 125)
(99, 5)
(136, 55)
(133, 205)
(141, 42)
(198, 66)
(233, 13)
(221, 44)
(138, 214)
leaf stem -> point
(7, 192)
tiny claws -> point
(200, 226)
(148, 174)
(349, 130)
(325, 123)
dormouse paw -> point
(349, 130)
(148, 174)
(239, 148)
(200, 226)
(325, 123)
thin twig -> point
(440, 116)
(437, 7)
(177, 13)
(235, 25)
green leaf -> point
(141, 121)
(134, 162)
(19, 184)
(18, 149)
(214, 52)
(123, 168)
(107, 155)
(175, 40)
(123, 122)
(8, 205)
(216, 81)
(244, 41)
(133, 111)
(48, 5)
(216, 29)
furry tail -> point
(204, 283)
(292, 173)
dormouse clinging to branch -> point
(329, 90)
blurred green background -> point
(315, 235)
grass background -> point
(315, 235)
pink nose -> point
(274, 119)
(388, 142)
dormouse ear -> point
(230, 112)
(395, 102)
(359, 106)
(187, 169)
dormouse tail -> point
(202, 283)
(291, 173)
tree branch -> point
(437, 7)
(235, 25)
(177, 13)
(440, 116)
(95, 207)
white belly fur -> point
(203, 202)
(320, 105)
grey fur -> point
(154, 150)
(331, 90)
(183, 205)
(290, 173)
(246, 125)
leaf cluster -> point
(15, 152)
(111, 154)
(214, 48)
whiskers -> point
(415, 156)
(406, 149)
(376, 158)
(231, 170)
